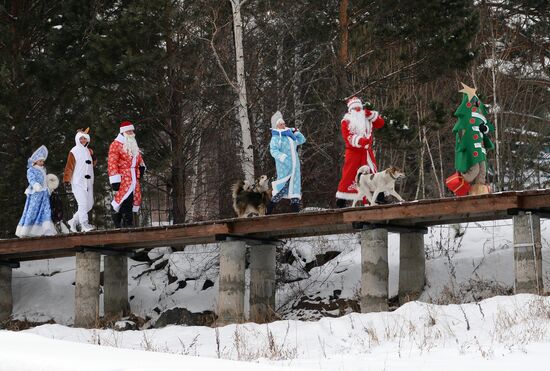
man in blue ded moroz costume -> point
(284, 149)
(37, 214)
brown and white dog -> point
(371, 185)
(251, 199)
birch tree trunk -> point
(420, 185)
(298, 104)
(440, 190)
(441, 173)
(195, 201)
(280, 77)
(247, 155)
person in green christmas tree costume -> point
(472, 141)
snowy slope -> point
(501, 333)
(27, 352)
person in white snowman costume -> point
(79, 177)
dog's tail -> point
(365, 169)
(237, 188)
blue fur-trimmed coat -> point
(284, 149)
(37, 214)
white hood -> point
(79, 135)
(83, 173)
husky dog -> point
(251, 199)
(370, 185)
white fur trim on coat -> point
(348, 196)
(373, 116)
(115, 179)
(126, 128)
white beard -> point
(130, 145)
(358, 123)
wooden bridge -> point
(263, 234)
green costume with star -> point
(471, 144)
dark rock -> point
(142, 256)
(171, 278)
(321, 259)
(160, 265)
(287, 257)
(328, 307)
(181, 316)
(207, 284)
(125, 325)
(335, 294)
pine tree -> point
(32, 89)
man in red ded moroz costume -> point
(125, 167)
(357, 127)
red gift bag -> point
(457, 184)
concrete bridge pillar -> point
(527, 254)
(412, 266)
(374, 270)
(115, 286)
(231, 282)
(262, 283)
(86, 304)
(6, 301)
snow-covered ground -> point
(29, 352)
(501, 333)
(466, 264)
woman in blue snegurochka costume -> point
(37, 215)
(284, 149)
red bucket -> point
(457, 184)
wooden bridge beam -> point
(231, 282)
(527, 254)
(374, 270)
(6, 300)
(412, 266)
(86, 304)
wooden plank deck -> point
(415, 214)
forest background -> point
(201, 79)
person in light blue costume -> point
(284, 149)
(37, 215)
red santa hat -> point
(125, 126)
(354, 102)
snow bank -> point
(504, 333)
